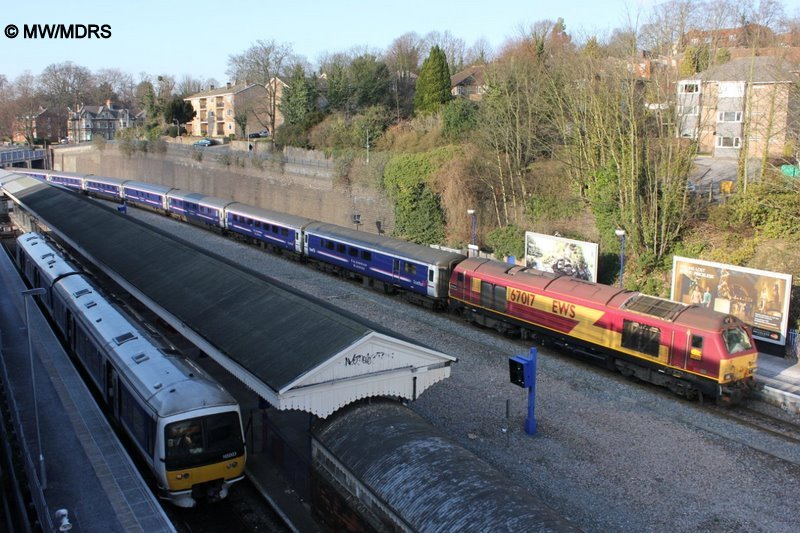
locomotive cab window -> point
(736, 340)
(641, 337)
(696, 351)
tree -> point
(298, 98)
(180, 111)
(371, 82)
(26, 105)
(433, 85)
(402, 58)
(263, 63)
(65, 85)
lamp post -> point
(35, 292)
(473, 246)
(621, 234)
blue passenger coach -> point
(197, 208)
(67, 179)
(394, 262)
(278, 230)
(148, 195)
(103, 187)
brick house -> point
(747, 103)
(44, 124)
(216, 110)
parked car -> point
(205, 142)
(259, 134)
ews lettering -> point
(563, 308)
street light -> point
(474, 239)
(38, 291)
(621, 234)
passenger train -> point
(693, 351)
(183, 425)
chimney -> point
(229, 85)
(108, 103)
(211, 87)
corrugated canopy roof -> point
(293, 350)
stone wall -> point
(301, 183)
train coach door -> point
(112, 390)
(395, 269)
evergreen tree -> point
(433, 84)
(298, 99)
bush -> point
(507, 241)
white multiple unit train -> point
(183, 425)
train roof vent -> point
(48, 254)
(125, 337)
(31, 238)
(140, 358)
(91, 304)
(657, 307)
(51, 263)
(158, 385)
(81, 292)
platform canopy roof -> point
(293, 350)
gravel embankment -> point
(610, 454)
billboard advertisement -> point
(758, 297)
(563, 256)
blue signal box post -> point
(522, 371)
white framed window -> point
(729, 116)
(729, 142)
(688, 87)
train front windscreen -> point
(203, 440)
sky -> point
(197, 38)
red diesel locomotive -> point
(693, 351)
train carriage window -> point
(275, 229)
(249, 221)
(366, 256)
(641, 337)
(410, 268)
(328, 245)
(430, 275)
(285, 232)
(340, 248)
(696, 351)
(258, 224)
(353, 252)
(136, 421)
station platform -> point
(780, 377)
(87, 471)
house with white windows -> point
(746, 104)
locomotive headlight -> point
(232, 465)
(184, 475)
(728, 377)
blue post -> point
(530, 422)
(523, 373)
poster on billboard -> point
(759, 297)
(563, 256)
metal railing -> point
(17, 156)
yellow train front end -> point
(738, 364)
(203, 457)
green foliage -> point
(418, 213)
(769, 207)
(179, 110)
(372, 82)
(433, 84)
(292, 135)
(299, 98)
(546, 207)
(696, 59)
(604, 199)
(507, 241)
(460, 117)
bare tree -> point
(26, 105)
(403, 60)
(454, 48)
(118, 83)
(263, 63)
